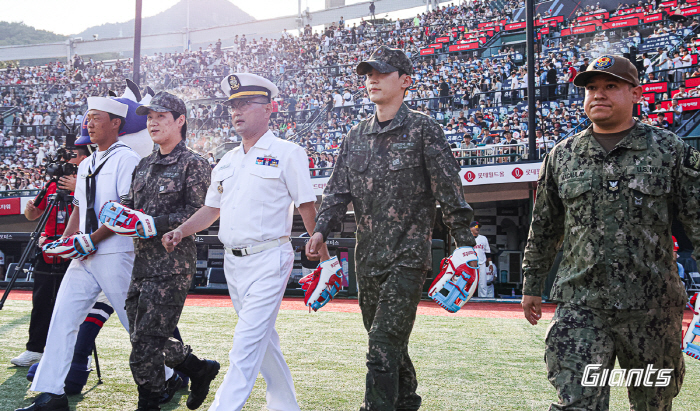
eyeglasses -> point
(242, 105)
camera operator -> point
(48, 272)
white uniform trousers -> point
(81, 285)
(256, 284)
(485, 291)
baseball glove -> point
(457, 280)
(323, 284)
(124, 221)
(693, 329)
(76, 246)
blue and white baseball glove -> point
(457, 281)
(124, 221)
(76, 246)
(323, 284)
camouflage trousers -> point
(153, 307)
(579, 336)
(388, 303)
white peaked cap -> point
(108, 106)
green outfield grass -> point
(462, 363)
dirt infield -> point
(475, 309)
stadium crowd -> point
(479, 99)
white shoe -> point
(89, 364)
(26, 359)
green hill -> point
(13, 34)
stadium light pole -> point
(137, 43)
(530, 40)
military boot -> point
(148, 400)
(201, 373)
(171, 386)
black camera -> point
(58, 166)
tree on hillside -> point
(13, 34)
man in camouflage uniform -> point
(169, 185)
(610, 193)
(393, 167)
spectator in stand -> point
(508, 138)
(677, 111)
(663, 63)
(571, 72)
(552, 83)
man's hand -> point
(40, 242)
(171, 239)
(31, 207)
(67, 183)
(316, 248)
(532, 307)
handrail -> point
(688, 125)
(19, 193)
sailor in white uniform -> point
(104, 176)
(254, 190)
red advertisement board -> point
(650, 97)
(589, 28)
(516, 26)
(627, 16)
(427, 51)
(620, 23)
(442, 40)
(436, 45)
(688, 104)
(659, 87)
(669, 116)
(462, 47)
(652, 18)
(10, 206)
(692, 82)
(546, 21)
(597, 16)
(690, 11)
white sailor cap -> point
(240, 85)
(108, 105)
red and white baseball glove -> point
(323, 284)
(124, 221)
(457, 281)
(76, 246)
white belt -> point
(241, 252)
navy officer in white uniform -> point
(254, 189)
(104, 176)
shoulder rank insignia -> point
(692, 159)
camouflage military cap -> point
(162, 102)
(386, 60)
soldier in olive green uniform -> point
(393, 167)
(169, 185)
(611, 193)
